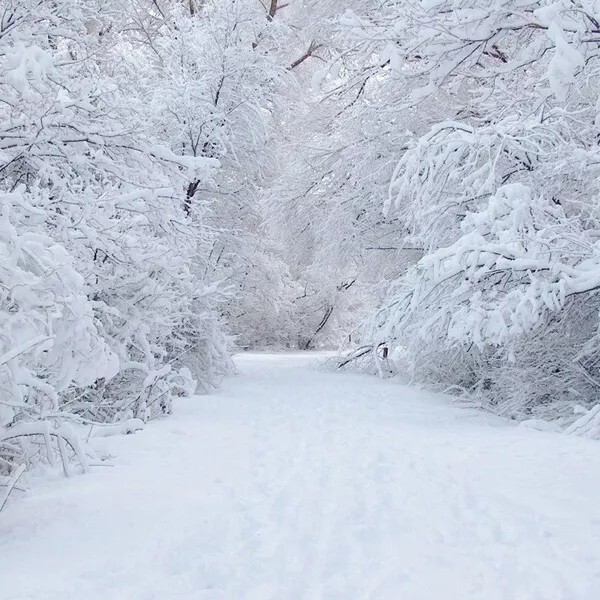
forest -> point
(415, 183)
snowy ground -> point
(294, 483)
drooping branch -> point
(324, 320)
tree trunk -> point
(272, 9)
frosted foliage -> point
(104, 307)
(500, 196)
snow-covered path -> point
(294, 483)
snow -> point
(297, 483)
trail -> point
(296, 483)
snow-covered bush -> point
(49, 340)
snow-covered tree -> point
(215, 91)
(102, 301)
(178, 175)
(500, 195)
